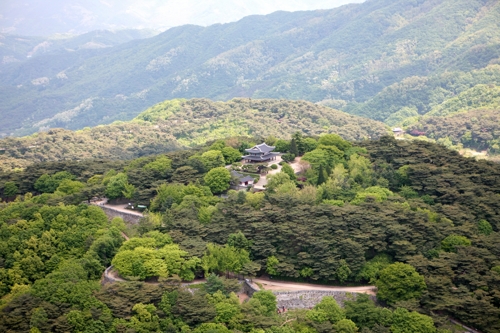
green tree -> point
(116, 186)
(345, 326)
(213, 159)
(272, 265)
(450, 243)
(282, 146)
(329, 306)
(231, 155)
(334, 140)
(400, 282)
(162, 164)
(321, 175)
(404, 321)
(293, 148)
(218, 179)
(213, 284)
(267, 299)
(48, 184)
(10, 189)
(286, 168)
(68, 186)
(484, 227)
(343, 271)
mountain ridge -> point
(348, 54)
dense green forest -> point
(414, 218)
(348, 57)
(184, 123)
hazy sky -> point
(35, 17)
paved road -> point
(118, 208)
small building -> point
(260, 153)
(398, 131)
(240, 181)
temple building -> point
(260, 153)
(240, 181)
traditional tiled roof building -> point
(260, 153)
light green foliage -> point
(170, 194)
(212, 328)
(10, 189)
(376, 192)
(224, 259)
(316, 158)
(277, 180)
(404, 321)
(48, 184)
(161, 111)
(68, 186)
(205, 214)
(327, 309)
(239, 241)
(218, 179)
(271, 265)
(213, 159)
(345, 326)
(371, 269)
(148, 261)
(118, 186)
(162, 164)
(479, 96)
(334, 140)
(282, 146)
(360, 170)
(231, 155)
(267, 299)
(218, 145)
(338, 203)
(309, 144)
(399, 282)
(450, 243)
(286, 168)
(484, 227)
(398, 117)
(306, 272)
(255, 199)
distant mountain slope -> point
(179, 123)
(341, 57)
(477, 129)
(44, 18)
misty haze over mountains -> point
(43, 18)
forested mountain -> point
(339, 57)
(171, 125)
(42, 18)
(417, 220)
(16, 49)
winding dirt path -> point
(296, 286)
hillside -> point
(478, 129)
(340, 57)
(416, 220)
(42, 18)
(185, 123)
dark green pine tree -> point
(321, 175)
(293, 148)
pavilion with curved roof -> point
(260, 153)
